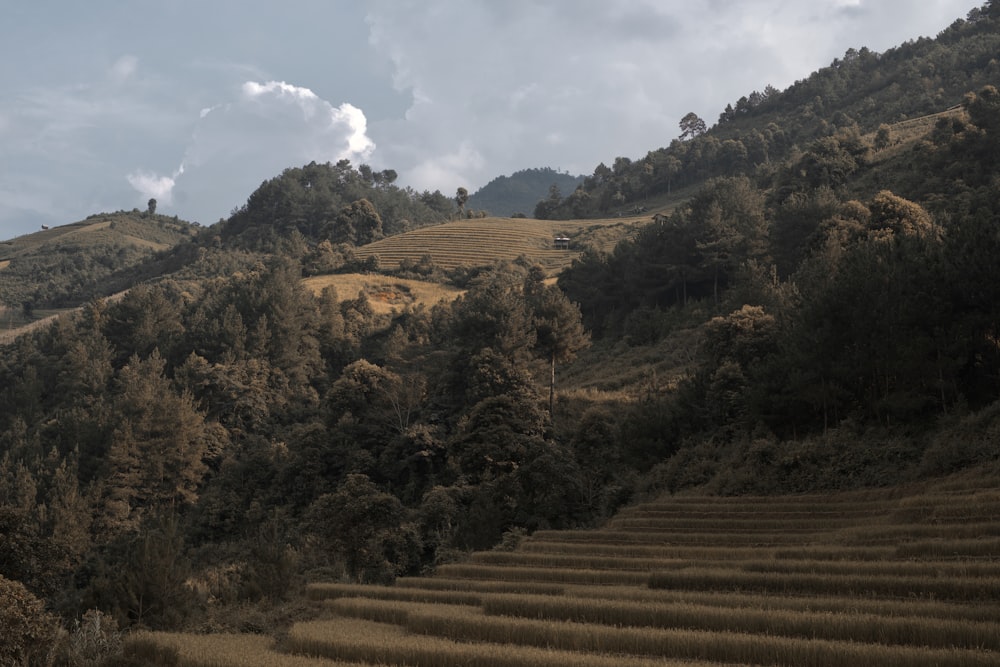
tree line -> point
(196, 417)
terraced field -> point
(482, 241)
(876, 578)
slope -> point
(483, 241)
(67, 265)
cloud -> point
(124, 68)
(497, 87)
(262, 129)
(149, 184)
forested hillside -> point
(70, 264)
(819, 311)
(518, 193)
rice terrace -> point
(482, 241)
(904, 576)
(728, 398)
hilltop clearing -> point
(385, 294)
(66, 265)
(484, 241)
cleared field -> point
(385, 294)
(483, 241)
(887, 578)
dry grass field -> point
(385, 294)
(884, 577)
(483, 241)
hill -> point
(483, 241)
(505, 196)
(810, 325)
(66, 265)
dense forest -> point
(219, 432)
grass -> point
(385, 294)
(960, 589)
(483, 241)
(354, 639)
(831, 604)
(907, 576)
(217, 650)
(759, 646)
(861, 627)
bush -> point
(95, 641)
(30, 634)
(971, 441)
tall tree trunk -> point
(552, 383)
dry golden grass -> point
(830, 604)
(322, 591)
(732, 524)
(814, 552)
(4, 263)
(680, 538)
(231, 650)
(483, 241)
(849, 626)
(959, 589)
(554, 575)
(443, 583)
(385, 294)
(759, 646)
(891, 577)
(354, 639)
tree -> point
(894, 215)
(883, 138)
(358, 223)
(559, 332)
(29, 632)
(156, 454)
(494, 314)
(151, 207)
(461, 198)
(362, 524)
(692, 126)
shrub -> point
(29, 633)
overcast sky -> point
(107, 103)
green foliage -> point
(142, 577)
(362, 525)
(329, 202)
(820, 312)
(68, 265)
(29, 632)
(506, 196)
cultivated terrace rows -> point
(877, 578)
(477, 242)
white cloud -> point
(262, 129)
(124, 68)
(149, 184)
(523, 84)
(97, 115)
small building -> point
(561, 243)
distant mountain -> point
(521, 191)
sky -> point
(107, 103)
